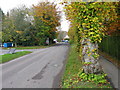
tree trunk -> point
(90, 57)
(15, 44)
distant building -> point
(66, 37)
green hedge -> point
(111, 45)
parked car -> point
(66, 41)
(63, 40)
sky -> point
(7, 5)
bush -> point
(111, 45)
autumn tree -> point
(46, 19)
(90, 18)
(21, 24)
(7, 29)
(113, 28)
(1, 19)
(17, 27)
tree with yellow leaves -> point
(90, 20)
(46, 19)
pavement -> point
(40, 69)
(112, 72)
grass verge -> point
(73, 63)
(8, 57)
(71, 77)
(29, 47)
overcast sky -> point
(7, 5)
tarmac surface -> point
(40, 69)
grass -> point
(29, 47)
(71, 77)
(73, 64)
(8, 57)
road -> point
(40, 69)
(112, 72)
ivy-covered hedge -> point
(111, 45)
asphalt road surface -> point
(40, 69)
